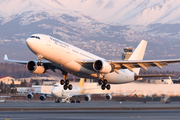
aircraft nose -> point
(32, 44)
(54, 92)
(29, 42)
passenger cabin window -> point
(35, 37)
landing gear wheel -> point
(100, 82)
(62, 82)
(72, 101)
(39, 64)
(108, 87)
(103, 87)
(104, 81)
(57, 101)
(70, 87)
(65, 87)
(67, 82)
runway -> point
(93, 110)
(91, 115)
(90, 105)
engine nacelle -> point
(102, 66)
(42, 97)
(87, 98)
(34, 68)
(30, 96)
(108, 96)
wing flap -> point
(142, 64)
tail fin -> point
(138, 54)
(81, 82)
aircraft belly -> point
(78, 70)
(122, 77)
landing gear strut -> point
(39, 57)
(104, 84)
(66, 82)
(57, 100)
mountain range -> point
(117, 12)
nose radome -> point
(54, 92)
(29, 42)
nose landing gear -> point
(104, 84)
(39, 57)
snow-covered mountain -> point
(117, 12)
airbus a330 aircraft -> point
(70, 59)
(66, 96)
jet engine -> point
(102, 66)
(34, 68)
(30, 96)
(42, 97)
(108, 96)
(87, 98)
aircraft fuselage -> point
(65, 55)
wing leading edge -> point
(130, 64)
(48, 64)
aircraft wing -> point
(47, 64)
(35, 92)
(4, 96)
(130, 64)
(15, 61)
(142, 63)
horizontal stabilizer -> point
(137, 77)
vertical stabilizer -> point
(81, 82)
(138, 54)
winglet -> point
(5, 57)
(81, 83)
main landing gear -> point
(75, 101)
(57, 100)
(104, 84)
(66, 83)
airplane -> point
(68, 96)
(70, 59)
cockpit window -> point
(55, 85)
(35, 37)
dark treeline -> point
(12, 88)
(15, 70)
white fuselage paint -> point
(59, 92)
(64, 55)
